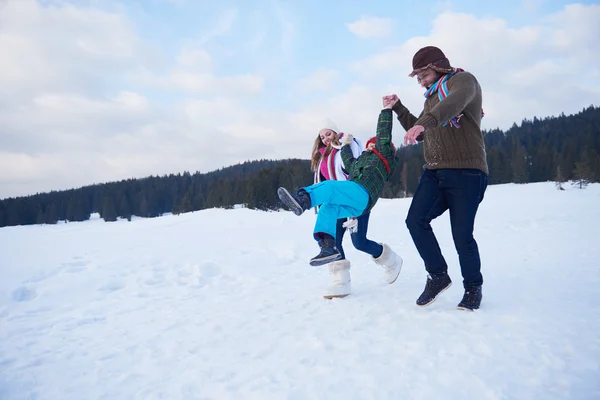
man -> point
(455, 174)
(354, 197)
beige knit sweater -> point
(446, 146)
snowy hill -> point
(222, 304)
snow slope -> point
(222, 304)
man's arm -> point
(462, 91)
(407, 120)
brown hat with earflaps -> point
(430, 57)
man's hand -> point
(412, 134)
(390, 101)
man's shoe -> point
(471, 300)
(435, 285)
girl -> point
(327, 164)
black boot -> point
(435, 285)
(471, 300)
(329, 253)
(297, 203)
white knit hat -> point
(328, 124)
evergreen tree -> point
(404, 178)
(51, 214)
(519, 165)
(583, 172)
(109, 212)
(144, 208)
(2, 214)
(76, 210)
(41, 218)
(186, 203)
(124, 207)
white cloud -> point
(69, 125)
(59, 103)
(194, 71)
(66, 120)
(576, 32)
(64, 48)
(371, 27)
(29, 167)
(198, 59)
(206, 83)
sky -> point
(147, 310)
(95, 91)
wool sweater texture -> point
(447, 146)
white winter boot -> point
(340, 274)
(391, 263)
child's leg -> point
(339, 236)
(351, 195)
(338, 199)
(360, 241)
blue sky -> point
(96, 91)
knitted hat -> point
(328, 124)
(374, 140)
(430, 57)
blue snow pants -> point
(337, 199)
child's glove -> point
(347, 139)
(351, 224)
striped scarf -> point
(441, 88)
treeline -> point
(252, 183)
(551, 149)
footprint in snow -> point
(78, 264)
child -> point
(354, 197)
(327, 164)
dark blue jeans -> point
(359, 239)
(460, 191)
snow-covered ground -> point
(222, 304)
